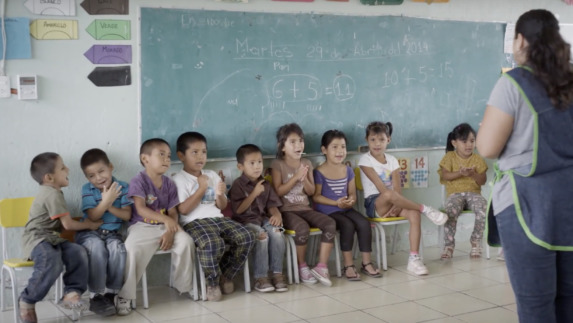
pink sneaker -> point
(306, 276)
(321, 273)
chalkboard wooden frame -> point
(238, 76)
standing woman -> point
(528, 126)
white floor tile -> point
(417, 289)
(265, 313)
(462, 281)
(497, 314)
(315, 307)
(499, 294)
(358, 317)
(406, 312)
(455, 304)
(368, 298)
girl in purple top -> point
(335, 194)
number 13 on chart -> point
(404, 172)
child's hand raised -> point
(109, 195)
(302, 172)
(259, 188)
(221, 188)
(203, 180)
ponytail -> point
(449, 146)
(460, 132)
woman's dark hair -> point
(377, 127)
(330, 135)
(460, 132)
(282, 135)
(548, 54)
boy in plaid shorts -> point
(202, 196)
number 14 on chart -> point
(414, 171)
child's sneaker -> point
(321, 273)
(279, 282)
(123, 306)
(214, 293)
(434, 215)
(102, 306)
(416, 266)
(306, 276)
(263, 285)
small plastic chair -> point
(312, 249)
(14, 213)
(200, 276)
(441, 227)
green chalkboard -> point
(236, 76)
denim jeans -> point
(106, 254)
(269, 252)
(542, 279)
(49, 262)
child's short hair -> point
(43, 164)
(282, 135)
(244, 150)
(148, 145)
(187, 138)
(460, 132)
(93, 156)
(330, 135)
(377, 127)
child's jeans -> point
(269, 252)
(49, 262)
(106, 254)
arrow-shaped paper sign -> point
(54, 29)
(111, 76)
(107, 7)
(110, 29)
(109, 54)
(52, 8)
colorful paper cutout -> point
(110, 29)
(381, 2)
(419, 171)
(109, 54)
(108, 7)
(17, 38)
(52, 8)
(54, 29)
(111, 76)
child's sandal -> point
(356, 276)
(72, 301)
(27, 312)
(366, 272)
(475, 251)
(448, 253)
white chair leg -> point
(383, 247)
(246, 276)
(144, 290)
(394, 239)
(441, 237)
(294, 261)
(2, 290)
(203, 283)
(289, 261)
(337, 255)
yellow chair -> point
(441, 227)
(14, 213)
(378, 227)
(312, 249)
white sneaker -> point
(306, 276)
(434, 215)
(123, 306)
(416, 266)
(500, 255)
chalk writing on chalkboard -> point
(237, 77)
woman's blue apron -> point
(543, 198)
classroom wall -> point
(72, 115)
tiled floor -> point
(458, 290)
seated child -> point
(202, 195)
(293, 181)
(380, 177)
(463, 173)
(42, 242)
(255, 205)
(154, 224)
(335, 195)
(103, 198)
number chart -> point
(414, 172)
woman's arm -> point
(494, 131)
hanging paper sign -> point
(111, 76)
(108, 7)
(110, 29)
(404, 172)
(109, 54)
(52, 8)
(419, 171)
(54, 29)
(17, 38)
